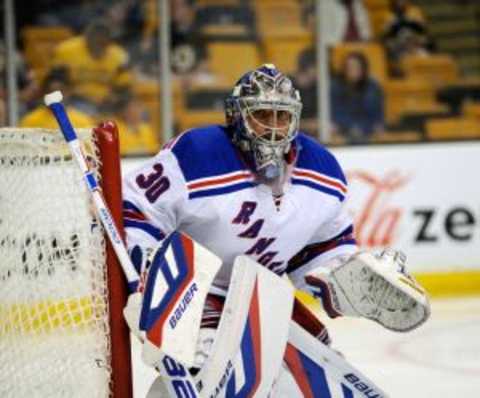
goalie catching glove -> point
(374, 287)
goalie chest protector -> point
(200, 185)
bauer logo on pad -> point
(169, 287)
(178, 280)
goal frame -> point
(121, 386)
(63, 290)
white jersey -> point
(199, 184)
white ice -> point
(441, 359)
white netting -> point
(53, 296)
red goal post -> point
(62, 291)
(108, 144)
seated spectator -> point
(347, 21)
(356, 101)
(26, 83)
(41, 116)
(412, 44)
(76, 14)
(136, 135)
(405, 33)
(96, 66)
(125, 21)
(189, 54)
(403, 10)
(188, 51)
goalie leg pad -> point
(206, 337)
(319, 371)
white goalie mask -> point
(264, 113)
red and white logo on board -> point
(375, 211)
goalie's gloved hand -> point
(372, 286)
(396, 258)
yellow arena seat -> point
(279, 18)
(200, 118)
(149, 95)
(452, 128)
(230, 60)
(376, 4)
(396, 137)
(409, 96)
(471, 110)
(438, 69)
(378, 13)
(206, 3)
(284, 53)
(233, 30)
(378, 19)
(188, 114)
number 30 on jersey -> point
(154, 183)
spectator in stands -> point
(347, 20)
(96, 66)
(145, 57)
(356, 101)
(41, 116)
(403, 11)
(188, 50)
(136, 135)
(125, 21)
(189, 55)
(76, 14)
(405, 33)
(413, 44)
(26, 83)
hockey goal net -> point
(61, 291)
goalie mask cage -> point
(62, 291)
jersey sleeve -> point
(155, 197)
(332, 240)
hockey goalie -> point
(265, 204)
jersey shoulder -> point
(317, 168)
(315, 157)
(206, 152)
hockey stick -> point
(180, 383)
(54, 102)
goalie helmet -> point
(263, 114)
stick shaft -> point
(99, 201)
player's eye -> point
(283, 117)
(271, 118)
(263, 115)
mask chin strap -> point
(273, 174)
(270, 161)
(271, 171)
